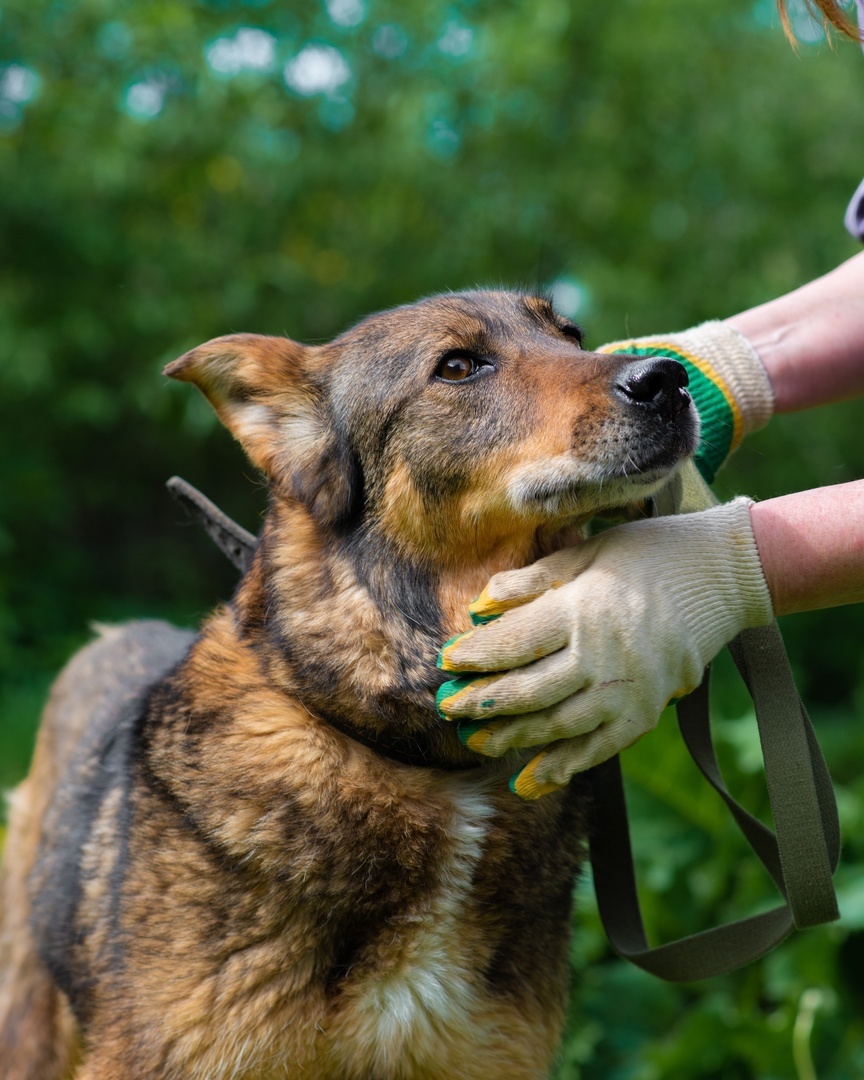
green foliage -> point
(662, 162)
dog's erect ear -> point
(251, 381)
(263, 392)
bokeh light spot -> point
(346, 12)
(568, 296)
(317, 69)
(248, 50)
(145, 99)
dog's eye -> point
(457, 366)
(571, 330)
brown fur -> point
(218, 866)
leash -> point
(800, 856)
(802, 853)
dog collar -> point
(404, 750)
(231, 539)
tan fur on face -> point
(257, 851)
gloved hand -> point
(600, 637)
(728, 384)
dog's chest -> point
(471, 981)
(425, 986)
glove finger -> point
(476, 736)
(575, 716)
(529, 689)
(552, 768)
(452, 694)
(544, 774)
(512, 588)
(517, 638)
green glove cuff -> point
(728, 384)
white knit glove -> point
(728, 384)
(600, 637)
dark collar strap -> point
(406, 751)
(231, 539)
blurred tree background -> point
(174, 170)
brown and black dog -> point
(257, 851)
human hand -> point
(595, 640)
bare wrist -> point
(811, 544)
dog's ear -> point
(251, 381)
(264, 392)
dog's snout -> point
(658, 385)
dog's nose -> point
(658, 385)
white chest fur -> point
(429, 994)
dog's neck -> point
(351, 627)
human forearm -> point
(811, 341)
(811, 545)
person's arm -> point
(798, 351)
(811, 545)
(594, 660)
(811, 341)
(811, 344)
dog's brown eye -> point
(571, 330)
(456, 366)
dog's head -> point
(454, 425)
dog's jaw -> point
(569, 494)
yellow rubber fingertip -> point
(526, 785)
(487, 607)
(445, 663)
(676, 697)
(479, 739)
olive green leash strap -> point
(799, 787)
(800, 856)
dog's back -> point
(86, 728)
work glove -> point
(728, 384)
(599, 638)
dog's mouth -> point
(625, 461)
(653, 465)
(562, 498)
(569, 488)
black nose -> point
(657, 385)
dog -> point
(257, 850)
